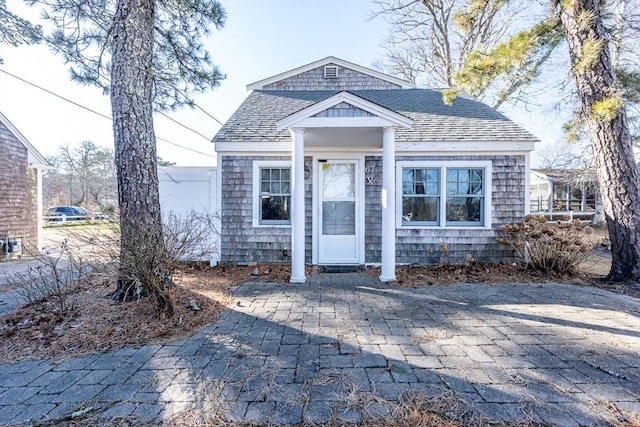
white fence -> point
(186, 189)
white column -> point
(388, 272)
(39, 207)
(297, 206)
(527, 184)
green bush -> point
(549, 247)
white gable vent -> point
(330, 72)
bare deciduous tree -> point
(83, 175)
(562, 155)
(430, 42)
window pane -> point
(338, 180)
(285, 174)
(464, 209)
(285, 187)
(264, 187)
(420, 181)
(275, 187)
(275, 174)
(338, 218)
(265, 174)
(407, 188)
(419, 209)
(407, 175)
(452, 181)
(476, 188)
(432, 189)
(407, 181)
(275, 208)
(464, 181)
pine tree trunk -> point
(142, 268)
(610, 137)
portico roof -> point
(372, 114)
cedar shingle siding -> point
(18, 190)
(373, 211)
(315, 80)
(242, 243)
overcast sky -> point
(261, 38)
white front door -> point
(339, 201)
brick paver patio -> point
(342, 345)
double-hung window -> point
(465, 196)
(449, 194)
(420, 196)
(272, 200)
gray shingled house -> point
(21, 189)
(333, 163)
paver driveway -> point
(555, 354)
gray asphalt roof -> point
(464, 120)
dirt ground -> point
(96, 323)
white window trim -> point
(443, 166)
(257, 165)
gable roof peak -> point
(35, 158)
(260, 84)
(351, 99)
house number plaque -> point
(369, 171)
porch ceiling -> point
(361, 137)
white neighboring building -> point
(186, 189)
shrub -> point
(187, 237)
(57, 277)
(548, 247)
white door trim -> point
(360, 203)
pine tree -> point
(602, 108)
(15, 30)
(148, 55)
